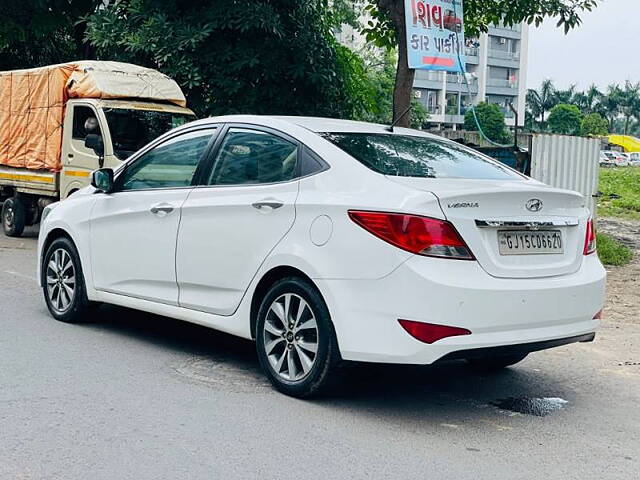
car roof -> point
(316, 124)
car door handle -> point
(161, 209)
(264, 204)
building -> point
(496, 73)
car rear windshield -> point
(413, 156)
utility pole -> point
(515, 133)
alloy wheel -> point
(61, 280)
(291, 337)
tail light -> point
(429, 332)
(590, 238)
(421, 235)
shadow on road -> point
(395, 390)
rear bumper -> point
(506, 350)
(527, 313)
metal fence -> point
(567, 162)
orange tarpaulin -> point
(32, 104)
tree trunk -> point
(627, 119)
(405, 76)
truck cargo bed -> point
(39, 182)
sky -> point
(604, 49)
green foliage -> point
(380, 29)
(594, 125)
(619, 105)
(612, 252)
(267, 57)
(491, 121)
(565, 119)
(360, 87)
(346, 12)
(479, 15)
(41, 32)
(620, 192)
(381, 75)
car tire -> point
(496, 363)
(14, 216)
(300, 357)
(63, 283)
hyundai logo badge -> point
(534, 205)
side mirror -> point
(95, 143)
(102, 180)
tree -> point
(592, 97)
(564, 96)
(345, 12)
(542, 100)
(609, 105)
(387, 28)
(565, 119)
(629, 103)
(381, 68)
(594, 125)
(41, 32)
(276, 57)
(491, 120)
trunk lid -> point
(480, 209)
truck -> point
(59, 123)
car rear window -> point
(412, 156)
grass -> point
(622, 182)
(612, 252)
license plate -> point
(528, 242)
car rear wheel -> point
(296, 343)
(63, 282)
(496, 363)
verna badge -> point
(534, 205)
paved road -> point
(136, 396)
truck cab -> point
(124, 127)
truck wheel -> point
(13, 216)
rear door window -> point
(413, 156)
(251, 157)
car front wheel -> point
(63, 282)
(296, 343)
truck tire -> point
(13, 216)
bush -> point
(565, 119)
(594, 125)
(612, 252)
(491, 120)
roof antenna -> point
(397, 120)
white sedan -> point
(328, 240)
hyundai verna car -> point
(328, 240)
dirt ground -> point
(623, 283)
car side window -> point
(171, 164)
(250, 157)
